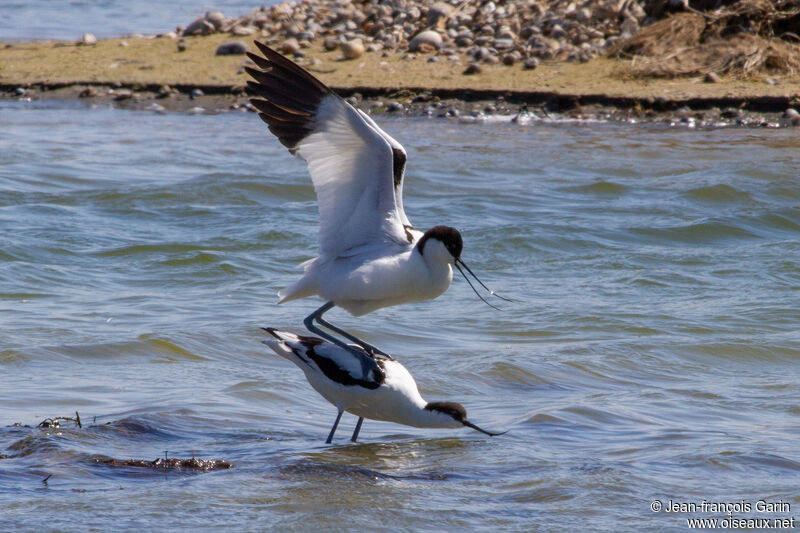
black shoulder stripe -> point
(335, 373)
(398, 165)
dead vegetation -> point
(738, 39)
(172, 463)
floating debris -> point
(202, 465)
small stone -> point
(393, 107)
(215, 18)
(89, 92)
(438, 14)
(87, 39)
(791, 118)
(164, 92)
(233, 48)
(331, 43)
(428, 37)
(712, 77)
(530, 63)
(289, 46)
(123, 43)
(511, 58)
(481, 53)
(19, 91)
(196, 93)
(352, 49)
(123, 94)
(731, 112)
(199, 27)
(242, 31)
(491, 59)
(557, 32)
(473, 68)
(463, 41)
(504, 44)
(181, 45)
(425, 48)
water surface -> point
(652, 352)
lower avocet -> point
(366, 385)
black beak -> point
(473, 426)
(459, 263)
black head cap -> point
(450, 237)
(456, 410)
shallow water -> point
(69, 19)
(652, 352)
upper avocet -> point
(366, 385)
(370, 256)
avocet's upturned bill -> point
(370, 256)
(366, 385)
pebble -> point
(289, 46)
(511, 58)
(196, 93)
(87, 39)
(352, 49)
(427, 40)
(712, 77)
(123, 94)
(164, 92)
(331, 43)
(438, 14)
(473, 68)
(215, 18)
(393, 107)
(199, 27)
(19, 91)
(544, 29)
(232, 48)
(791, 118)
(89, 92)
(530, 63)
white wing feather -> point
(351, 167)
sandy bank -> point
(149, 65)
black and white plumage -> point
(366, 385)
(370, 256)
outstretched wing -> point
(352, 162)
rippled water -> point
(69, 19)
(652, 352)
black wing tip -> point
(286, 95)
(273, 332)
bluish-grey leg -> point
(358, 428)
(367, 346)
(317, 315)
(309, 323)
(335, 425)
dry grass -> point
(157, 61)
(739, 40)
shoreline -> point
(140, 72)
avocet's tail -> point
(290, 346)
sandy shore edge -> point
(142, 72)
